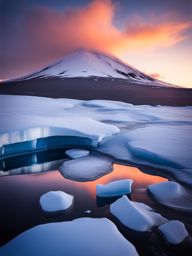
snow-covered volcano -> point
(83, 63)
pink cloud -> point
(49, 34)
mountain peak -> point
(86, 63)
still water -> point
(19, 199)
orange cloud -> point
(48, 34)
(93, 27)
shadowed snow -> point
(85, 236)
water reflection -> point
(19, 197)
(141, 180)
(35, 162)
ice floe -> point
(136, 216)
(87, 211)
(172, 194)
(84, 236)
(56, 201)
(76, 153)
(86, 168)
(114, 188)
(174, 231)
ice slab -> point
(56, 201)
(27, 119)
(136, 216)
(174, 231)
(162, 146)
(86, 168)
(172, 194)
(84, 236)
(76, 153)
(114, 188)
(117, 147)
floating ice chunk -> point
(84, 236)
(56, 201)
(137, 216)
(87, 211)
(86, 168)
(114, 188)
(76, 153)
(174, 231)
(172, 194)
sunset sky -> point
(151, 35)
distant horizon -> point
(153, 37)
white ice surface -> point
(76, 153)
(114, 188)
(159, 145)
(84, 236)
(162, 144)
(154, 136)
(27, 119)
(86, 168)
(54, 201)
(172, 194)
(174, 231)
(136, 216)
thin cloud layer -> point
(46, 34)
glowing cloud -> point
(93, 27)
(47, 34)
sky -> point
(151, 35)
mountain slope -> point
(82, 63)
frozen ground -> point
(84, 236)
(97, 133)
(154, 136)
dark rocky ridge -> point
(99, 88)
